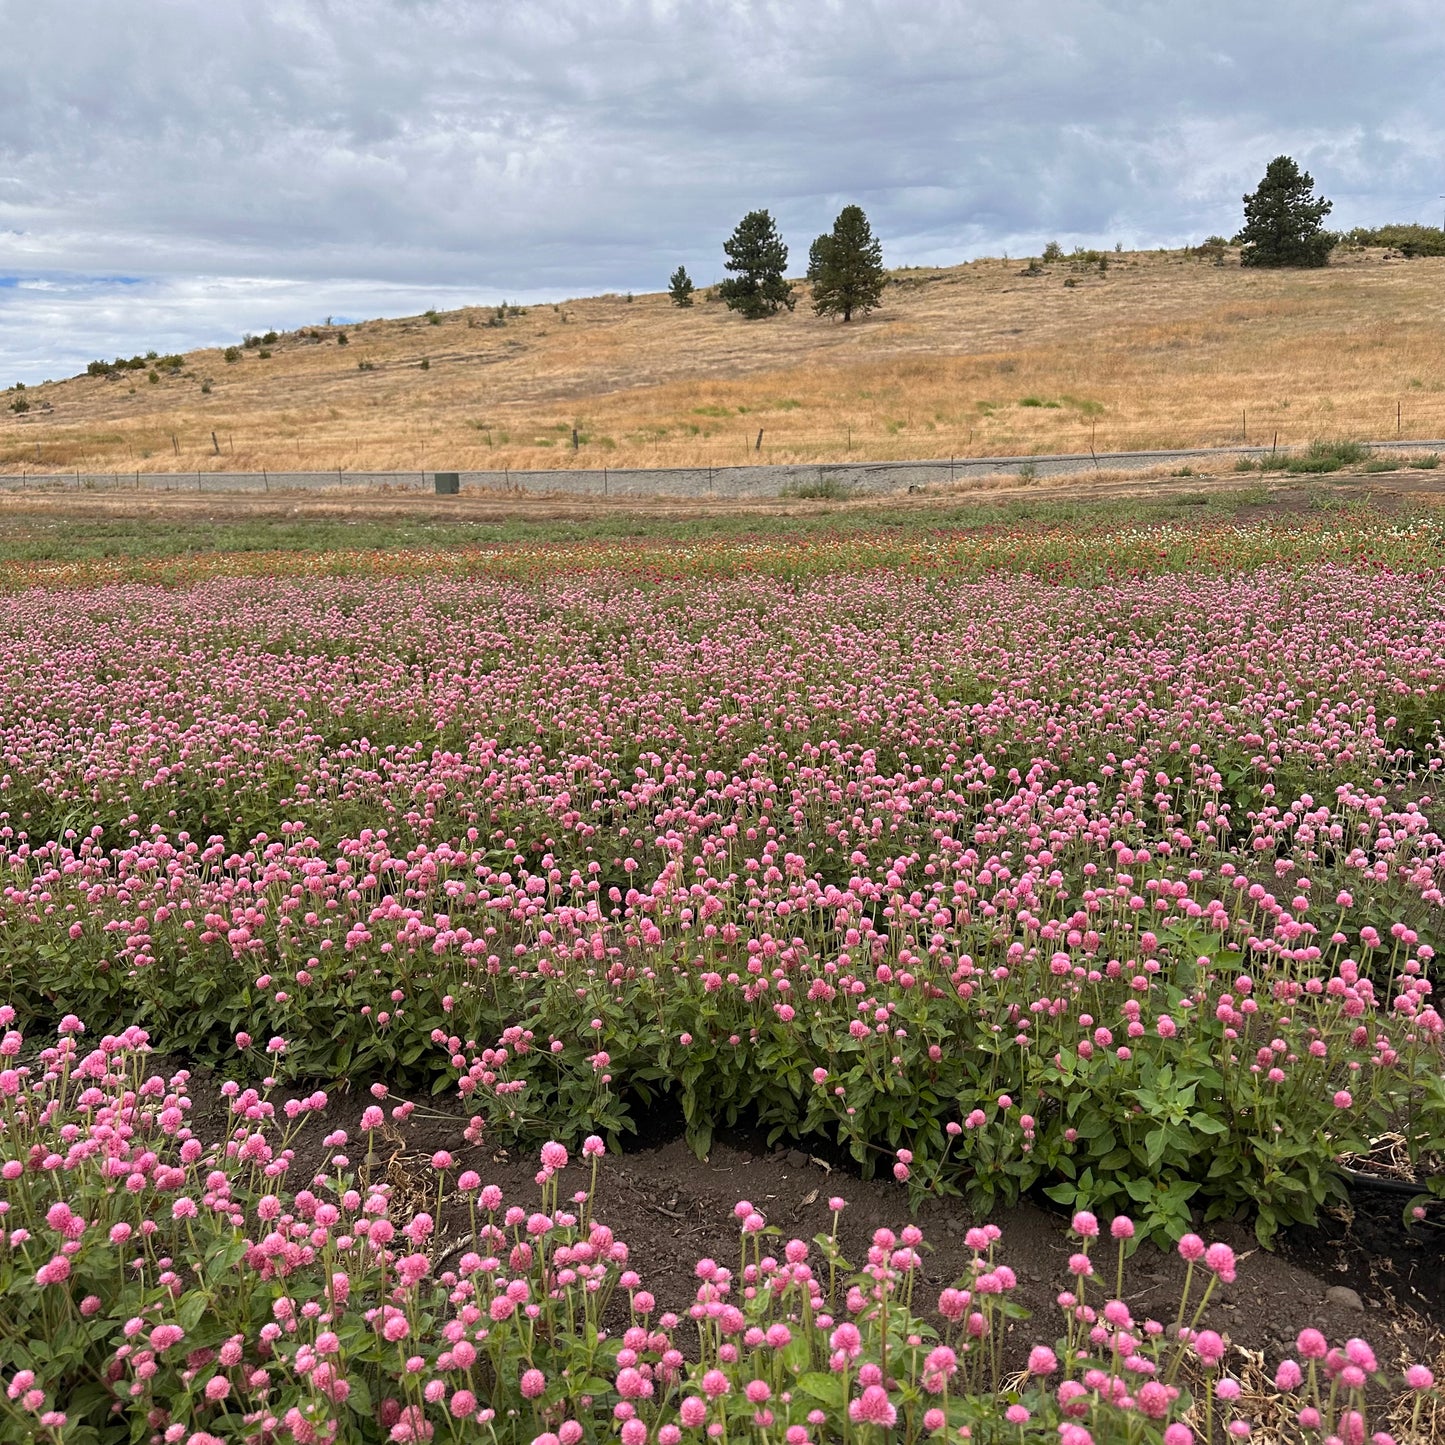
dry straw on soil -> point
(1161, 349)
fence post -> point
(758, 445)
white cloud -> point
(377, 155)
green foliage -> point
(680, 287)
(825, 488)
(1283, 220)
(20, 405)
(845, 268)
(1053, 251)
(1410, 239)
(1328, 456)
(758, 260)
(231, 355)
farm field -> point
(1007, 904)
(1161, 349)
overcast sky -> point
(176, 172)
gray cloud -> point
(271, 163)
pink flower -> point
(1288, 1376)
(1085, 1225)
(1343, 1100)
(1220, 1258)
(715, 1383)
(554, 1156)
(1209, 1347)
(1191, 1247)
(1418, 1377)
(1042, 1360)
(873, 1407)
(532, 1384)
(1312, 1344)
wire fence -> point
(763, 480)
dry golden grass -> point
(1163, 350)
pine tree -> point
(757, 258)
(846, 267)
(680, 287)
(1283, 220)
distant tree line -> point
(1283, 226)
(845, 269)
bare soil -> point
(673, 1209)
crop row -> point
(1129, 892)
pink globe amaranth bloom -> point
(1220, 1259)
(554, 1155)
(56, 1271)
(692, 1411)
(1288, 1376)
(217, 1388)
(669, 1435)
(1085, 1225)
(1418, 1377)
(1080, 1264)
(1015, 1415)
(164, 1336)
(569, 1432)
(1042, 1360)
(1357, 1352)
(873, 1407)
(533, 1383)
(715, 1383)
(634, 1432)
(1209, 1347)
(1121, 1227)
(462, 1404)
(1191, 1247)
(1071, 1434)
(1343, 1099)
(1178, 1434)
(1152, 1399)
(1312, 1344)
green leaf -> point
(826, 1388)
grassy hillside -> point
(1159, 349)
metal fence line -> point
(764, 480)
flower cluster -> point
(189, 1290)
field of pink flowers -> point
(1126, 892)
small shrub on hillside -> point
(680, 287)
(1053, 251)
(231, 355)
(1328, 456)
(824, 488)
(1426, 463)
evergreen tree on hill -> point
(846, 267)
(1283, 221)
(758, 259)
(680, 287)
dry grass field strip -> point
(1162, 349)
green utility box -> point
(448, 483)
